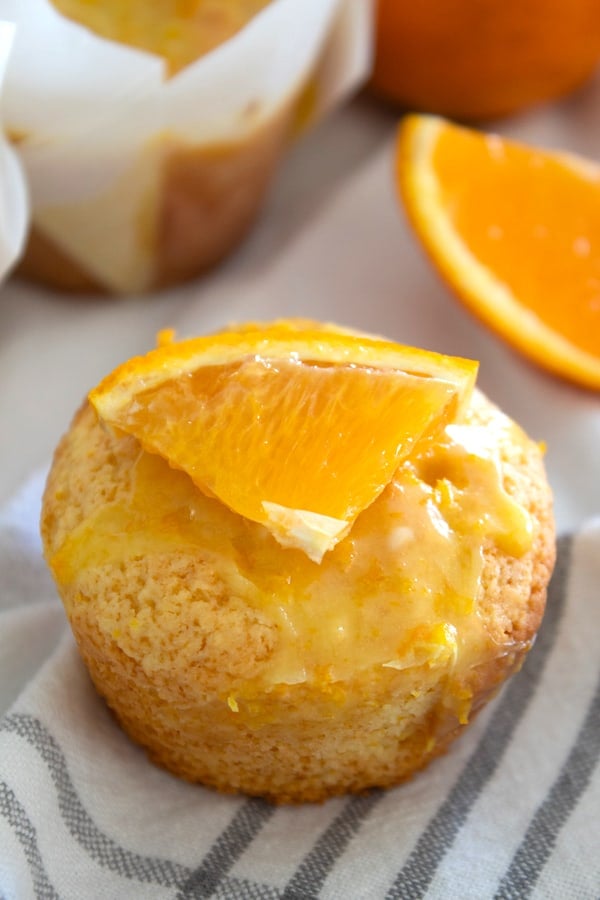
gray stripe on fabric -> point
(226, 850)
(309, 877)
(16, 816)
(413, 880)
(542, 833)
(98, 845)
(244, 889)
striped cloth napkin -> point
(510, 812)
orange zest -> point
(299, 428)
(515, 231)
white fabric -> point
(512, 810)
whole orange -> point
(473, 59)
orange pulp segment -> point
(299, 430)
(515, 231)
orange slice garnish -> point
(297, 428)
(515, 231)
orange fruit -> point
(297, 428)
(475, 59)
(515, 231)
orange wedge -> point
(515, 231)
(297, 428)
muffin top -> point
(181, 31)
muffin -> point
(252, 666)
(151, 132)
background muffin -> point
(149, 147)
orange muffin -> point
(249, 666)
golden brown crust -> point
(176, 653)
(211, 196)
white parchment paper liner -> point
(89, 113)
(13, 196)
